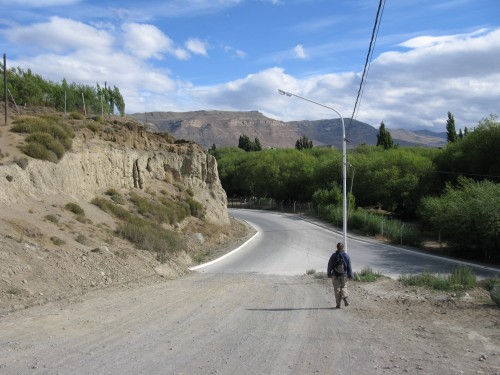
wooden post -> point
(5, 84)
(84, 109)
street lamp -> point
(344, 161)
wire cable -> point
(371, 48)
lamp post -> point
(344, 161)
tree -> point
(257, 147)
(303, 143)
(246, 144)
(450, 129)
(384, 137)
(468, 216)
(460, 134)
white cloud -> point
(235, 52)
(413, 89)
(60, 35)
(417, 88)
(300, 52)
(147, 41)
(37, 3)
(197, 46)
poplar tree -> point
(384, 137)
(450, 129)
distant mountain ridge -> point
(223, 128)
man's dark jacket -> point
(333, 259)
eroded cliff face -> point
(122, 157)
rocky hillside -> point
(124, 205)
(223, 128)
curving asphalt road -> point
(291, 245)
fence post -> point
(318, 209)
(402, 225)
(84, 109)
(5, 85)
(383, 226)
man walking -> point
(339, 269)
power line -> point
(371, 48)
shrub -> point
(151, 237)
(195, 207)
(52, 218)
(9, 178)
(57, 241)
(81, 239)
(461, 278)
(76, 116)
(75, 208)
(48, 141)
(367, 275)
(39, 151)
(111, 208)
(495, 294)
(111, 192)
(14, 290)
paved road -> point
(289, 245)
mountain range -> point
(223, 128)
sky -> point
(430, 57)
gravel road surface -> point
(255, 312)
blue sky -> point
(430, 57)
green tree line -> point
(32, 89)
(409, 182)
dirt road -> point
(253, 324)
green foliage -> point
(151, 237)
(394, 179)
(246, 144)
(57, 241)
(166, 211)
(33, 90)
(460, 279)
(367, 275)
(111, 208)
(303, 143)
(75, 208)
(195, 208)
(143, 232)
(477, 155)
(48, 141)
(76, 116)
(48, 137)
(384, 137)
(39, 151)
(52, 218)
(325, 197)
(14, 290)
(451, 132)
(468, 217)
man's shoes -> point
(345, 302)
(338, 306)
